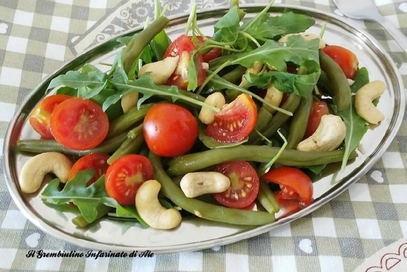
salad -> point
(232, 127)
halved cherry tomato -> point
(79, 123)
(183, 47)
(295, 186)
(319, 109)
(125, 176)
(169, 130)
(244, 184)
(95, 161)
(235, 121)
(345, 58)
(40, 116)
(287, 206)
(211, 54)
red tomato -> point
(287, 206)
(295, 186)
(125, 176)
(95, 161)
(169, 130)
(79, 123)
(319, 109)
(40, 116)
(212, 54)
(244, 184)
(345, 58)
(235, 121)
(183, 47)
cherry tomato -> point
(295, 186)
(183, 47)
(235, 121)
(125, 176)
(79, 123)
(40, 116)
(244, 184)
(169, 130)
(345, 58)
(319, 109)
(287, 206)
(211, 54)
(95, 161)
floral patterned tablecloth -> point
(368, 220)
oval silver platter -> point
(196, 234)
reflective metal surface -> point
(195, 234)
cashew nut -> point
(34, 170)
(150, 209)
(129, 101)
(273, 97)
(160, 70)
(206, 115)
(363, 101)
(199, 183)
(306, 36)
(328, 136)
(254, 69)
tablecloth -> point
(37, 37)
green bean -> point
(299, 122)
(39, 146)
(205, 210)
(267, 198)
(256, 153)
(131, 145)
(235, 74)
(339, 86)
(278, 119)
(127, 120)
(141, 40)
(81, 222)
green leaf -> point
(129, 212)
(291, 22)
(227, 28)
(146, 86)
(87, 199)
(275, 55)
(361, 79)
(356, 128)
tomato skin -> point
(125, 176)
(235, 121)
(244, 185)
(39, 117)
(294, 183)
(183, 47)
(169, 130)
(319, 109)
(95, 161)
(79, 123)
(211, 54)
(345, 58)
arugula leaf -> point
(129, 212)
(87, 199)
(356, 127)
(291, 22)
(275, 55)
(299, 84)
(146, 86)
(89, 76)
(227, 28)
